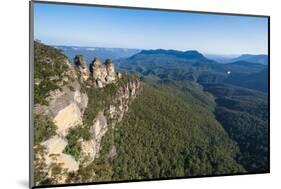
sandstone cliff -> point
(98, 74)
(74, 144)
(109, 116)
(82, 67)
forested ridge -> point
(244, 115)
(181, 128)
(163, 135)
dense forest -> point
(178, 116)
(164, 136)
(167, 134)
(244, 115)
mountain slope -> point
(171, 64)
(165, 136)
(193, 66)
(72, 114)
(244, 115)
(224, 59)
(257, 81)
(191, 55)
(243, 67)
(260, 59)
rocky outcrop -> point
(109, 117)
(54, 148)
(111, 75)
(102, 74)
(82, 67)
(65, 106)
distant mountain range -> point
(194, 66)
(248, 71)
(116, 53)
(260, 59)
(102, 53)
(177, 54)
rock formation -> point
(111, 75)
(66, 109)
(109, 117)
(82, 67)
(66, 106)
(102, 74)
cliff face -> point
(74, 144)
(98, 74)
(82, 67)
(65, 107)
(109, 117)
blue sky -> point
(57, 24)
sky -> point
(74, 25)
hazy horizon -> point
(205, 54)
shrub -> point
(74, 147)
(49, 69)
(98, 99)
(44, 128)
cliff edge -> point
(75, 106)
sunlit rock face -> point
(102, 74)
(66, 108)
(111, 75)
(82, 67)
(109, 117)
(54, 155)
